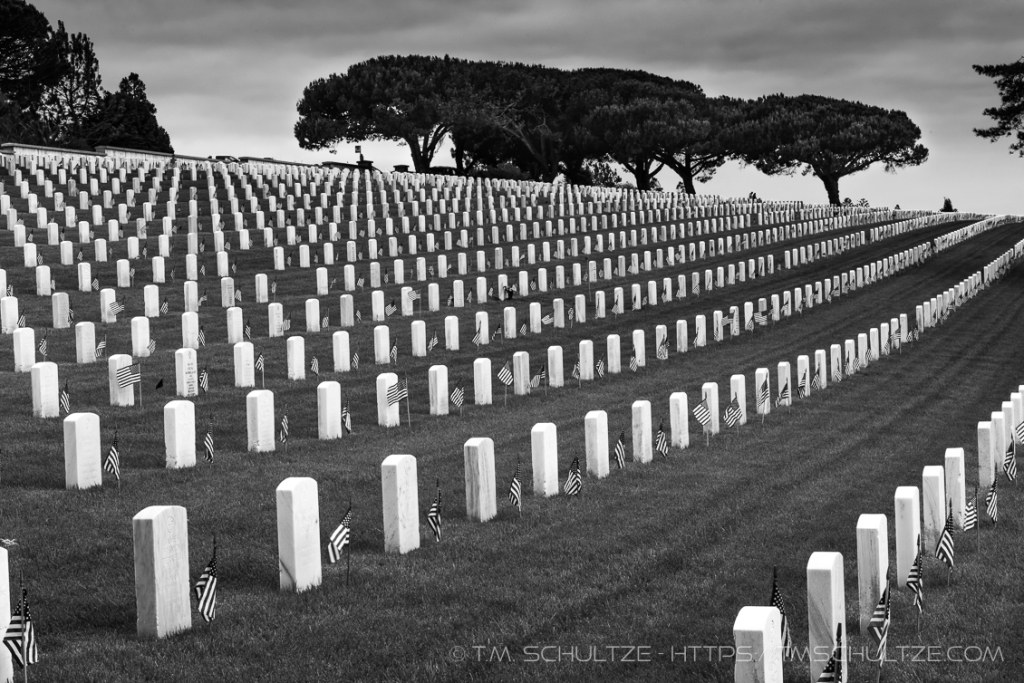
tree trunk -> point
(420, 159)
(832, 187)
(682, 169)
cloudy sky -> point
(225, 74)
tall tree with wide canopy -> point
(126, 118)
(29, 61)
(639, 118)
(75, 98)
(1009, 117)
(826, 137)
(392, 97)
(700, 159)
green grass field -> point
(659, 556)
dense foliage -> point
(533, 121)
(51, 92)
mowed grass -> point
(661, 555)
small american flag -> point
(944, 548)
(314, 366)
(915, 579)
(620, 450)
(574, 482)
(434, 515)
(208, 443)
(204, 380)
(390, 308)
(703, 413)
(505, 375)
(661, 441)
(458, 396)
(432, 343)
(515, 490)
(206, 588)
(340, 537)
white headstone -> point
(160, 539)
(481, 500)
(298, 534)
(82, 451)
(595, 425)
(643, 447)
(45, 390)
(260, 425)
(180, 434)
(826, 608)
(401, 504)
(328, 410)
(388, 415)
(908, 530)
(758, 635)
(544, 440)
(872, 564)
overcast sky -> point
(225, 75)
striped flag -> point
(878, 627)
(112, 463)
(523, 330)
(944, 548)
(992, 502)
(1019, 432)
(284, 428)
(816, 379)
(539, 377)
(833, 670)
(515, 490)
(206, 588)
(247, 329)
(718, 332)
(65, 399)
(703, 413)
(915, 579)
(394, 352)
(634, 365)
(971, 512)
(750, 325)
(325, 321)
(576, 370)
(204, 380)
(314, 367)
(778, 603)
(208, 443)
(802, 386)
(661, 441)
(346, 418)
(202, 337)
(547, 320)
(71, 316)
(574, 482)
(663, 350)
(458, 396)
(600, 367)
(434, 515)
(784, 395)
(432, 343)
(732, 413)
(20, 638)
(505, 375)
(128, 375)
(1009, 462)
(763, 393)
(760, 318)
(164, 307)
(261, 362)
(620, 450)
(496, 333)
(478, 337)
(414, 295)
(96, 284)
(837, 375)
(355, 360)
(340, 537)
(43, 347)
(101, 347)
(116, 307)
(398, 391)
(151, 346)
(390, 308)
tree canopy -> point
(1009, 116)
(829, 138)
(51, 92)
(541, 122)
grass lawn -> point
(660, 556)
